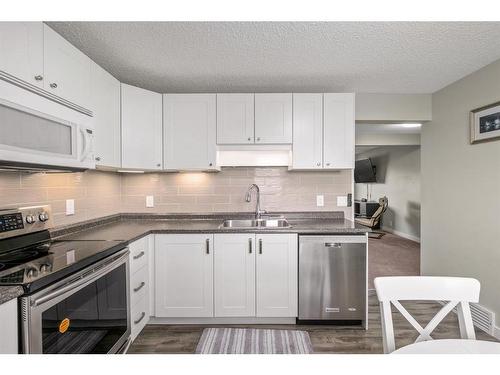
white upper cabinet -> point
(234, 274)
(338, 133)
(273, 118)
(141, 121)
(235, 119)
(184, 275)
(67, 70)
(190, 131)
(277, 262)
(105, 91)
(307, 144)
(21, 51)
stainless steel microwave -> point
(37, 132)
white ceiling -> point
(400, 57)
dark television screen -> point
(363, 171)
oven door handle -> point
(84, 279)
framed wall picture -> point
(485, 123)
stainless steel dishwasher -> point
(332, 278)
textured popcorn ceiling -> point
(402, 57)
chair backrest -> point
(383, 202)
(459, 291)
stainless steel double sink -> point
(269, 223)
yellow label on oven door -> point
(64, 325)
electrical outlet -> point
(150, 201)
(70, 207)
(320, 200)
(342, 201)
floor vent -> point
(483, 318)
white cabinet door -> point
(307, 145)
(106, 107)
(338, 140)
(234, 274)
(8, 328)
(141, 120)
(273, 118)
(235, 119)
(276, 275)
(190, 131)
(67, 70)
(184, 275)
(21, 51)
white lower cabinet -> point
(184, 275)
(8, 327)
(226, 275)
(234, 274)
(139, 292)
(276, 276)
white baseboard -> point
(401, 234)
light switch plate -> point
(342, 201)
(150, 201)
(320, 200)
(70, 207)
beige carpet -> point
(392, 255)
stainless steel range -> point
(76, 298)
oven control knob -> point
(44, 216)
(30, 219)
(45, 268)
(31, 272)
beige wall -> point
(103, 193)
(398, 178)
(460, 188)
(393, 107)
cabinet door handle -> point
(141, 254)
(260, 245)
(98, 158)
(53, 85)
(38, 77)
(333, 244)
(140, 287)
(139, 320)
(207, 244)
(250, 246)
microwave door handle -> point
(86, 148)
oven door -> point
(86, 313)
(31, 137)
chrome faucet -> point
(248, 198)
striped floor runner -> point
(253, 341)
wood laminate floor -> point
(177, 339)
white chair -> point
(459, 291)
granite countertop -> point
(131, 227)
(10, 292)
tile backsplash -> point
(99, 193)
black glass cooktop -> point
(39, 265)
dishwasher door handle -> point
(333, 244)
